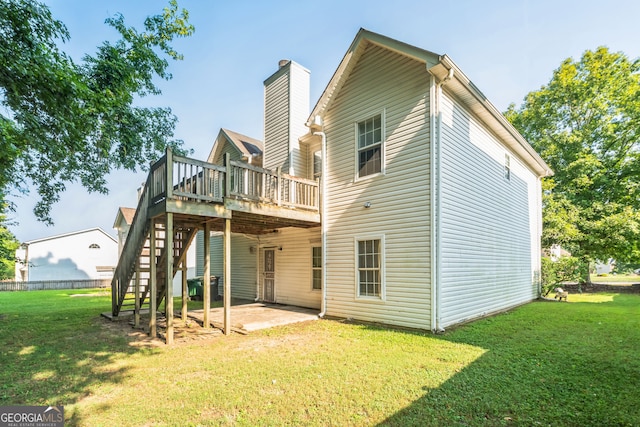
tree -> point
(585, 123)
(559, 271)
(65, 121)
(8, 246)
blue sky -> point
(507, 48)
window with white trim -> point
(369, 268)
(369, 134)
(507, 167)
(316, 268)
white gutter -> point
(436, 199)
(323, 219)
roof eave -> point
(350, 58)
(477, 102)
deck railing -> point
(199, 181)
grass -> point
(544, 363)
(618, 278)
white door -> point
(269, 276)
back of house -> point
(430, 199)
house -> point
(403, 197)
(122, 224)
(79, 255)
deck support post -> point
(227, 276)
(153, 285)
(207, 276)
(185, 292)
(168, 299)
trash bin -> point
(215, 292)
(195, 288)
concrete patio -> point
(246, 316)
(254, 316)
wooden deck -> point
(191, 187)
(182, 196)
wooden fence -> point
(42, 285)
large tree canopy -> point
(586, 125)
(63, 121)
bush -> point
(554, 273)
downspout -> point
(436, 174)
(323, 220)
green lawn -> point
(545, 363)
(618, 278)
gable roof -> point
(443, 69)
(58, 236)
(245, 145)
(124, 213)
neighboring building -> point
(122, 224)
(80, 255)
(404, 197)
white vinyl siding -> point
(68, 257)
(276, 130)
(298, 115)
(293, 265)
(228, 147)
(489, 223)
(400, 200)
(243, 264)
(286, 111)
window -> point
(94, 246)
(317, 164)
(369, 134)
(369, 268)
(316, 268)
(507, 167)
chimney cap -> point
(283, 62)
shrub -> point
(554, 273)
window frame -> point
(315, 268)
(381, 144)
(507, 167)
(381, 267)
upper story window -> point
(94, 246)
(369, 135)
(507, 167)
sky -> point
(507, 48)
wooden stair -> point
(186, 195)
(136, 258)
